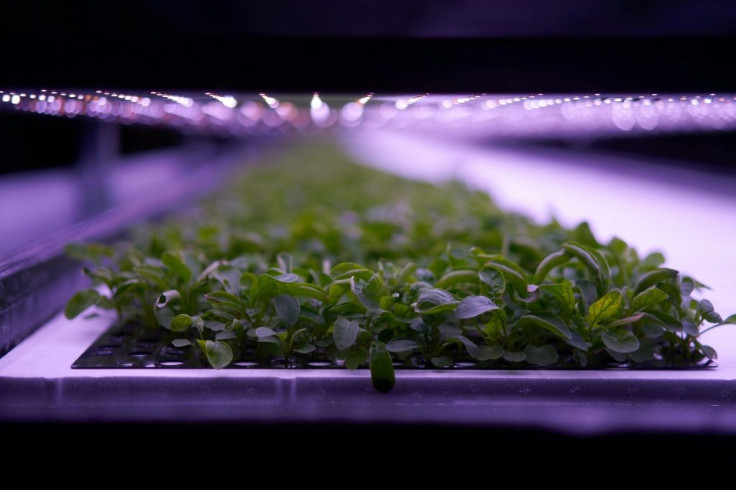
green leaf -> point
(374, 289)
(618, 246)
(286, 278)
(576, 340)
(406, 272)
(644, 353)
(305, 290)
(667, 321)
(651, 330)
(708, 311)
(617, 356)
(564, 295)
(550, 262)
(584, 235)
(274, 344)
(588, 293)
(176, 266)
(219, 354)
(627, 321)
(181, 323)
(401, 345)
(382, 368)
(223, 299)
(593, 260)
(287, 309)
(493, 279)
(481, 352)
(229, 278)
(673, 293)
(620, 340)
(266, 287)
(356, 357)
(654, 277)
(690, 328)
(305, 348)
(510, 274)
(654, 259)
(262, 332)
(442, 362)
(214, 325)
(473, 306)
(181, 342)
(164, 316)
(337, 289)
(514, 356)
(433, 300)
(687, 286)
(367, 295)
(226, 335)
(496, 324)
(127, 287)
(81, 301)
(456, 277)
(424, 275)
(580, 357)
(345, 270)
(345, 333)
(541, 356)
(100, 275)
(549, 322)
(606, 308)
(493, 260)
(730, 320)
(437, 267)
(649, 297)
(709, 352)
(153, 276)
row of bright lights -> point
(422, 110)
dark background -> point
(358, 46)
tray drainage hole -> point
(319, 364)
(465, 365)
(245, 364)
(139, 353)
(171, 363)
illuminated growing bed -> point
(428, 137)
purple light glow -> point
(460, 116)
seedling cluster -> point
(311, 257)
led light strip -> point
(474, 116)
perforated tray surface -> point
(135, 346)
